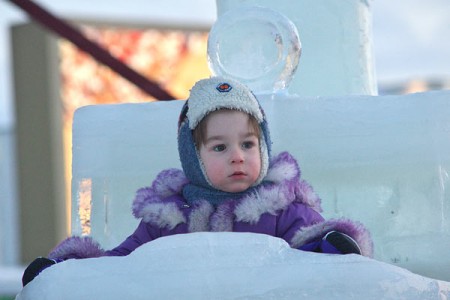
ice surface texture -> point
(383, 161)
(229, 266)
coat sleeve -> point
(144, 233)
(86, 247)
(295, 217)
(304, 229)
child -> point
(229, 182)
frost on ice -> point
(229, 266)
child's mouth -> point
(238, 174)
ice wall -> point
(381, 160)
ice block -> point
(382, 160)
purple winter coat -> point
(288, 209)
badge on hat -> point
(224, 87)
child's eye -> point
(248, 145)
(219, 148)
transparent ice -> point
(255, 45)
(336, 39)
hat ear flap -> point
(183, 114)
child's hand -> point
(36, 267)
(342, 242)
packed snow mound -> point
(229, 266)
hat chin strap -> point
(202, 167)
(264, 161)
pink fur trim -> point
(199, 217)
(283, 167)
(169, 182)
(354, 229)
(77, 247)
(223, 218)
(264, 200)
(163, 214)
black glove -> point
(36, 267)
(342, 242)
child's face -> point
(230, 153)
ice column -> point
(336, 38)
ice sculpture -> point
(230, 266)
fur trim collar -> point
(162, 203)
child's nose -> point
(237, 156)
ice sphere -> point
(255, 45)
(229, 266)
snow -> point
(229, 266)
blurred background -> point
(44, 79)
